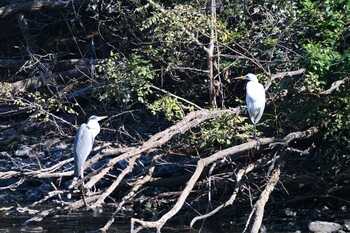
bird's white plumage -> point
(255, 98)
(83, 143)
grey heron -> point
(83, 143)
(255, 98)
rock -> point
(347, 224)
(289, 212)
(324, 227)
(23, 150)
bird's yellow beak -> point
(240, 77)
(101, 118)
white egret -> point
(83, 143)
(255, 98)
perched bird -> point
(255, 98)
(83, 143)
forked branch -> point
(202, 163)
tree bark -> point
(212, 92)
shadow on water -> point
(82, 222)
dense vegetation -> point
(148, 64)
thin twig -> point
(177, 97)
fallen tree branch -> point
(191, 120)
(57, 210)
(116, 182)
(37, 81)
(335, 86)
(205, 162)
(42, 173)
(259, 206)
(264, 197)
(241, 173)
(131, 194)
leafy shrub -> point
(129, 79)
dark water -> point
(74, 222)
(83, 222)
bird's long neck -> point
(94, 127)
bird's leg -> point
(83, 195)
(81, 177)
(256, 138)
(257, 143)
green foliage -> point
(170, 47)
(168, 25)
(335, 114)
(219, 132)
(321, 59)
(169, 106)
(268, 37)
(344, 63)
(129, 79)
(324, 20)
(324, 29)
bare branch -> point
(131, 194)
(282, 75)
(335, 86)
(264, 197)
(177, 97)
(117, 181)
(241, 173)
(208, 160)
(191, 120)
